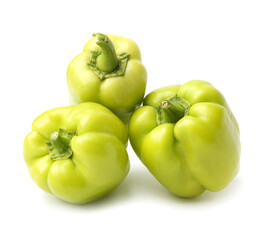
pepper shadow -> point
(140, 185)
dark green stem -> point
(172, 110)
(107, 61)
(104, 62)
(59, 145)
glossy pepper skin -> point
(108, 71)
(187, 137)
(77, 153)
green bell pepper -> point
(108, 71)
(77, 152)
(187, 137)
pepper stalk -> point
(59, 145)
(104, 62)
(172, 110)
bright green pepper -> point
(187, 137)
(108, 71)
(77, 152)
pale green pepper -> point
(187, 137)
(78, 152)
(108, 71)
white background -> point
(227, 43)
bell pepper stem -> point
(107, 61)
(172, 110)
(104, 62)
(59, 145)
